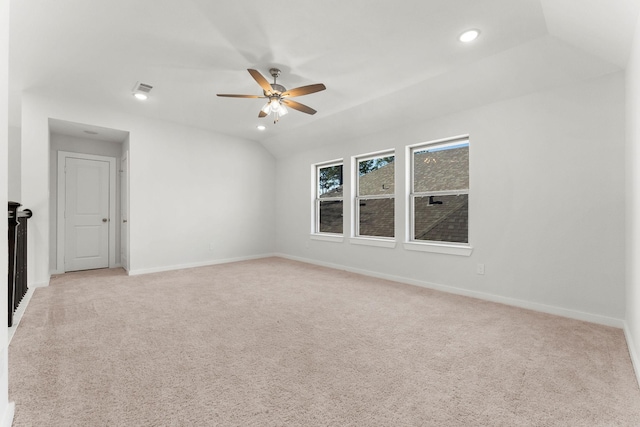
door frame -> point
(62, 190)
(124, 210)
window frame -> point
(356, 237)
(452, 248)
(316, 234)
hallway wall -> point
(6, 408)
(633, 204)
(14, 191)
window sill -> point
(439, 248)
(337, 238)
(381, 243)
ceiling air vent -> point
(141, 90)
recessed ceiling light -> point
(469, 36)
(140, 96)
(261, 127)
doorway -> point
(89, 149)
(86, 211)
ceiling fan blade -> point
(240, 96)
(262, 114)
(305, 90)
(297, 106)
(264, 84)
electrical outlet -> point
(212, 247)
(480, 268)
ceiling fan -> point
(278, 96)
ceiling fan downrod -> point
(275, 73)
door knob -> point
(104, 219)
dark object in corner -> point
(17, 271)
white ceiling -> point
(87, 131)
(384, 62)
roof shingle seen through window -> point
(378, 182)
(442, 222)
(441, 170)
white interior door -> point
(124, 212)
(86, 214)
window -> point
(329, 199)
(374, 201)
(439, 195)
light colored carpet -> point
(274, 342)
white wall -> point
(196, 197)
(633, 203)
(85, 146)
(546, 203)
(6, 409)
(13, 159)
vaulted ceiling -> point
(384, 62)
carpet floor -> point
(273, 342)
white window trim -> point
(380, 242)
(356, 238)
(439, 248)
(315, 203)
(448, 248)
(327, 237)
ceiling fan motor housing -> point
(278, 88)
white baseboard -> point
(558, 311)
(116, 265)
(41, 284)
(38, 285)
(633, 353)
(137, 272)
(7, 417)
(17, 316)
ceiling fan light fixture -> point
(469, 36)
(274, 103)
(274, 106)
